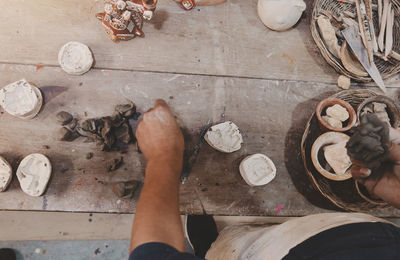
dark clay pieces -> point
(64, 117)
(109, 132)
(368, 143)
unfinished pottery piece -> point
(341, 111)
(350, 62)
(123, 20)
(328, 139)
(224, 137)
(333, 122)
(34, 173)
(5, 174)
(75, 58)
(280, 15)
(21, 99)
(343, 82)
(257, 169)
(337, 158)
(337, 112)
(328, 35)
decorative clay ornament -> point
(34, 173)
(257, 170)
(21, 99)
(224, 137)
(190, 4)
(280, 15)
(75, 58)
(123, 19)
(5, 174)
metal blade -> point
(352, 36)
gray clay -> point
(64, 117)
(115, 164)
(125, 189)
(368, 144)
(64, 134)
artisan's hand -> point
(159, 136)
(384, 182)
(157, 216)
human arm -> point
(157, 217)
(383, 182)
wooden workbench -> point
(217, 63)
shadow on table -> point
(293, 159)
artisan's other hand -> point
(383, 182)
(159, 136)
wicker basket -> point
(336, 7)
(341, 193)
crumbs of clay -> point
(257, 170)
(34, 173)
(5, 174)
(337, 158)
(224, 137)
(335, 116)
(368, 144)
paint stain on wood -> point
(39, 67)
(289, 57)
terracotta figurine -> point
(123, 19)
(189, 4)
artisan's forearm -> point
(157, 217)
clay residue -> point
(291, 58)
(125, 189)
(111, 133)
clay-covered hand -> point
(383, 182)
(159, 136)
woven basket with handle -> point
(337, 8)
(343, 194)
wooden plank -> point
(271, 115)
(225, 40)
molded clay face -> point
(34, 173)
(75, 58)
(280, 15)
(224, 137)
(123, 20)
(5, 174)
(21, 99)
(257, 170)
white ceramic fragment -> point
(224, 137)
(329, 35)
(75, 58)
(343, 82)
(337, 158)
(333, 122)
(34, 173)
(280, 15)
(257, 169)
(338, 112)
(21, 99)
(5, 174)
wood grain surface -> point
(217, 63)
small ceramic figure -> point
(190, 4)
(280, 15)
(123, 19)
